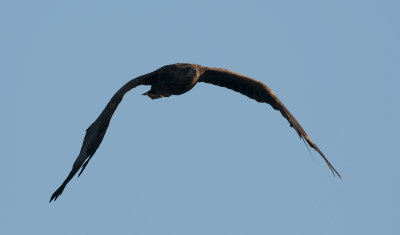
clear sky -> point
(210, 161)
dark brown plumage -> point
(176, 79)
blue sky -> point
(210, 161)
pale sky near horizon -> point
(210, 161)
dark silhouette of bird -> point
(176, 79)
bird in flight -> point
(176, 79)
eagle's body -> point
(176, 79)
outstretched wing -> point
(262, 93)
(95, 133)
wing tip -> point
(315, 147)
(57, 193)
(334, 171)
